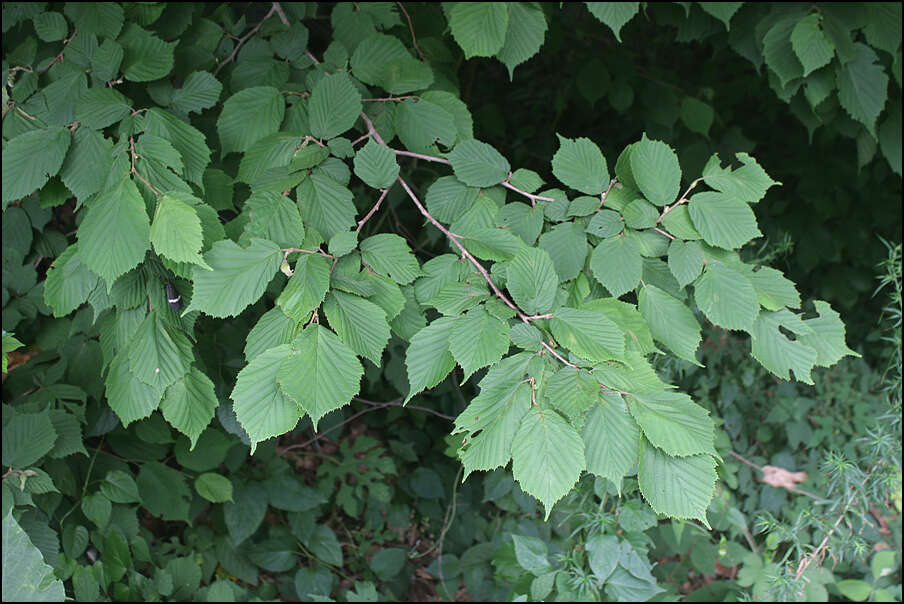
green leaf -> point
(326, 204)
(306, 288)
(531, 554)
(388, 254)
(26, 578)
(773, 290)
(214, 487)
(567, 246)
(617, 264)
(420, 123)
(147, 58)
(580, 165)
(572, 391)
(98, 108)
(51, 27)
(605, 223)
(119, 487)
(680, 487)
(524, 37)
(164, 491)
(324, 544)
(187, 140)
(176, 229)
(810, 44)
(131, 398)
(697, 115)
(388, 562)
(97, 509)
(27, 437)
(673, 422)
(611, 439)
(532, 280)
(272, 329)
(477, 340)
(428, 359)
(361, 324)
(200, 91)
(115, 234)
(723, 11)
(321, 374)
(656, 170)
(87, 164)
(158, 356)
(778, 51)
(863, 87)
(726, 297)
(68, 283)
(479, 27)
(334, 106)
(722, 221)
(383, 61)
(464, 123)
(670, 321)
(827, 336)
(30, 159)
(748, 183)
(640, 214)
(685, 260)
(248, 116)
(547, 456)
(260, 404)
(189, 404)
(376, 165)
(776, 352)
(245, 513)
(9, 344)
(106, 60)
(239, 277)
(273, 217)
(590, 335)
(613, 14)
(478, 164)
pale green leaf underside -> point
(611, 439)
(479, 27)
(617, 264)
(722, 221)
(69, 282)
(239, 276)
(673, 422)
(176, 230)
(189, 404)
(361, 324)
(30, 159)
(656, 170)
(322, 374)
(478, 339)
(726, 297)
(680, 487)
(306, 287)
(532, 280)
(478, 164)
(428, 358)
(260, 405)
(26, 578)
(614, 14)
(671, 322)
(526, 31)
(547, 456)
(388, 254)
(589, 334)
(580, 165)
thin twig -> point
(59, 56)
(244, 38)
(605, 193)
(411, 27)
(282, 15)
(533, 198)
(558, 356)
(373, 209)
(680, 201)
(658, 230)
(433, 158)
(288, 250)
(135, 172)
(391, 98)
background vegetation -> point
(371, 505)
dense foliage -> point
(229, 231)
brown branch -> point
(680, 201)
(605, 193)
(288, 250)
(243, 39)
(373, 209)
(533, 198)
(411, 27)
(439, 160)
(135, 172)
(281, 14)
(59, 56)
